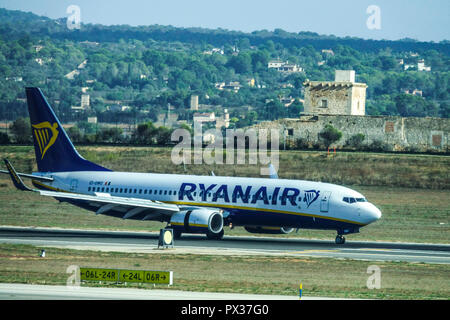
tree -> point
(444, 111)
(163, 136)
(113, 135)
(21, 129)
(144, 133)
(75, 134)
(4, 138)
(242, 63)
(329, 135)
(415, 106)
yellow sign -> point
(159, 277)
(131, 276)
(45, 135)
(119, 275)
(94, 274)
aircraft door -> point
(325, 201)
(73, 185)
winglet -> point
(18, 183)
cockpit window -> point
(353, 200)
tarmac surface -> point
(15, 291)
(144, 242)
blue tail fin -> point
(54, 150)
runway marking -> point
(390, 256)
(408, 255)
(311, 251)
(368, 249)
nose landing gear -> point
(340, 239)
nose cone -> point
(371, 213)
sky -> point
(423, 20)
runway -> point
(16, 291)
(143, 242)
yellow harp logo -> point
(46, 135)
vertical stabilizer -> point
(54, 150)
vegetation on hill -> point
(132, 74)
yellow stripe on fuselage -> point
(42, 185)
(190, 224)
(262, 209)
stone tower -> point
(342, 96)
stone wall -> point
(396, 133)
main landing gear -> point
(340, 239)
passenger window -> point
(165, 192)
(89, 189)
(103, 189)
(150, 191)
(145, 191)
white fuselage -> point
(258, 199)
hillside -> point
(146, 68)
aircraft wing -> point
(130, 207)
(104, 202)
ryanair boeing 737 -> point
(188, 203)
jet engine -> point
(206, 221)
(269, 230)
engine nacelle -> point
(269, 230)
(205, 221)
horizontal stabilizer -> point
(17, 181)
(30, 176)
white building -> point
(284, 66)
(204, 117)
(421, 66)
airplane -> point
(187, 203)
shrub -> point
(329, 135)
(379, 146)
(355, 141)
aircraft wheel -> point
(340, 239)
(176, 234)
(215, 236)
